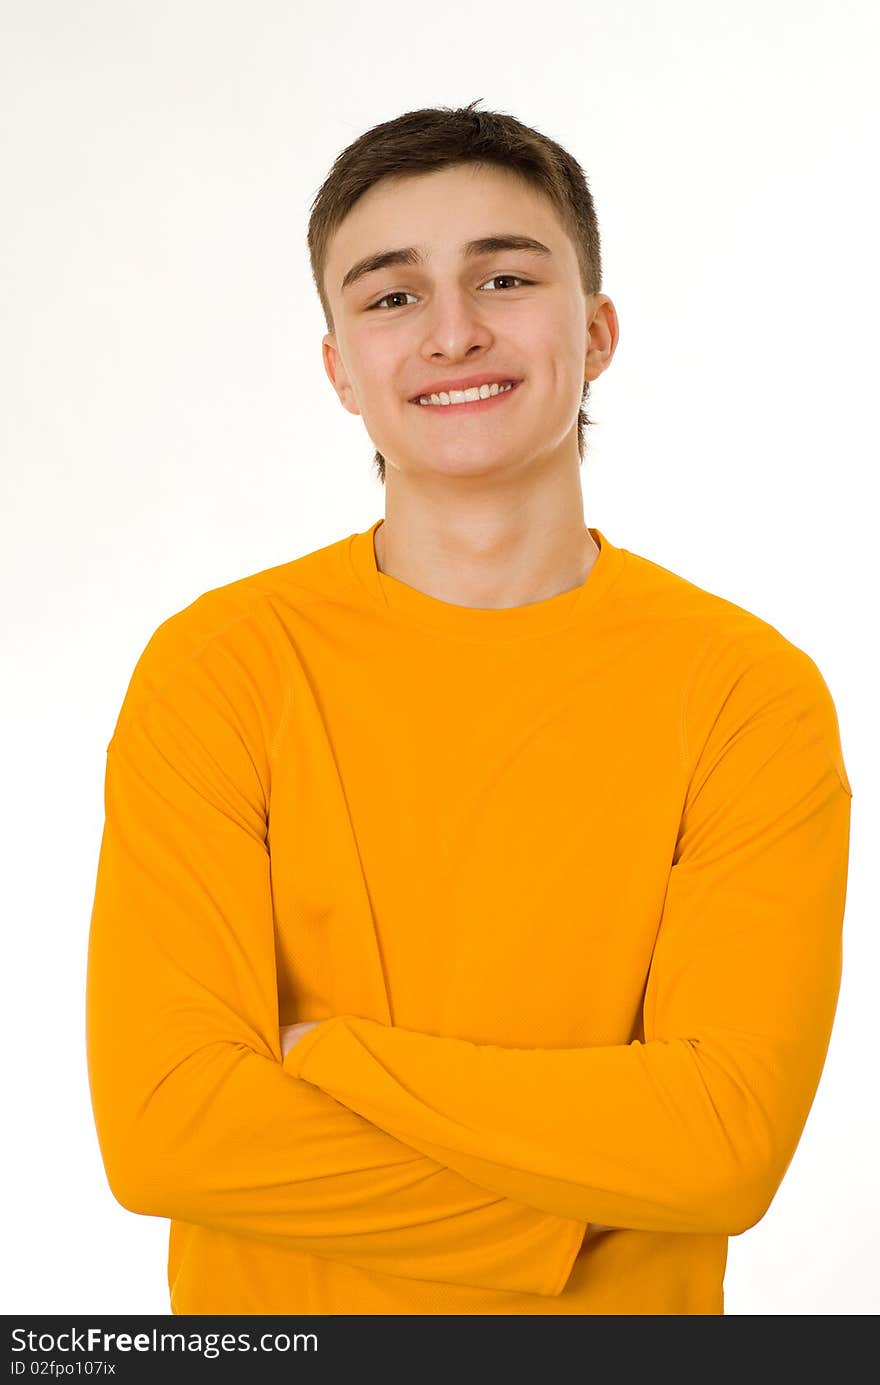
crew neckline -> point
(482, 623)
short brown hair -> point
(437, 137)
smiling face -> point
(460, 311)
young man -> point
(467, 931)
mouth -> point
(492, 401)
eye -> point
(508, 276)
(401, 293)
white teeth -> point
(464, 396)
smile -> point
(467, 404)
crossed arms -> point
(431, 1157)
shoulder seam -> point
(186, 659)
(264, 594)
(687, 688)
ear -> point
(336, 373)
(603, 334)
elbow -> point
(139, 1164)
(736, 1211)
(143, 1197)
(738, 1201)
(753, 1203)
(136, 1172)
(125, 1160)
(155, 1144)
(745, 1145)
(147, 1136)
(135, 1179)
(125, 1192)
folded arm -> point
(692, 1129)
(196, 1118)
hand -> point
(291, 1032)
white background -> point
(167, 427)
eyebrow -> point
(414, 254)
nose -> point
(454, 326)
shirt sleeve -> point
(692, 1128)
(196, 1118)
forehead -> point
(440, 210)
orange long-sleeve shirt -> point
(566, 881)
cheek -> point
(564, 336)
(557, 366)
(380, 373)
(554, 343)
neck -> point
(488, 561)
